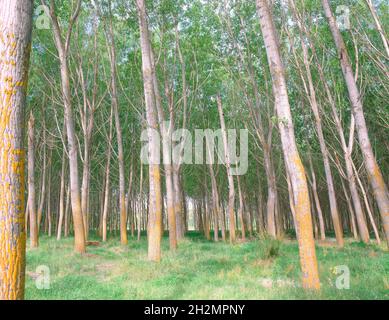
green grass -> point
(203, 270)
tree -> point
(155, 192)
(376, 179)
(15, 45)
(313, 101)
(115, 106)
(31, 184)
(231, 187)
(293, 164)
(63, 52)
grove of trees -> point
(85, 86)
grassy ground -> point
(260, 269)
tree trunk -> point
(31, 184)
(15, 46)
(107, 185)
(62, 197)
(43, 179)
(48, 202)
(85, 188)
(67, 218)
(166, 133)
(155, 192)
(63, 49)
(317, 200)
(241, 210)
(293, 162)
(128, 201)
(180, 221)
(271, 193)
(231, 187)
(115, 106)
(215, 198)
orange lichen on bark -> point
(12, 237)
(123, 221)
(13, 84)
(381, 194)
(308, 261)
(155, 215)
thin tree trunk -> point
(166, 133)
(63, 50)
(367, 205)
(231, 187)
(215, 198)
(180, 221)
(85, 189)
(48, 201)
(271, 193)
(241, 210)
(115, 107)
(31, 184)
(317, 200)
(62, 197)
(43, 183)
(107, 185)
(353, 225)
(140, 203)
(67, 218)
(128, 207)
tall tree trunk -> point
(43, 179)
(367, 205)
(241, 210)
(48, 201)
(271, 193)
(215, 202)
(231, 187)
(317, 200)
(31, 184)
(155, 192)
(178, 197)
(376, 179)
(166, 133)
(115, 106)
(85, 188)
(107, 185)
(180, 221)
(63, 51)
(140, 204)
(215, 198)
(67, 218)
(62, 197)
(353, 225)
(292, 159)
(15, 46)
(128, 201)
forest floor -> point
(201, 269)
